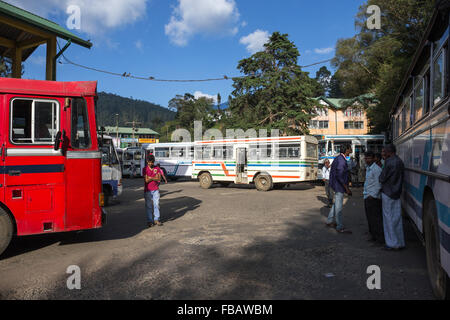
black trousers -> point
(374, 216)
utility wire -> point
(128, 75)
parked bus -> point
(174, 158)
(420, 129)
(330, 146)
(50, 170)
(132, 162)
(266, 162)
(111, 170)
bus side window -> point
(81, 136)
(34, 121)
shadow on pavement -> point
(309, 261)
(120, 225)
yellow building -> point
(335, 119)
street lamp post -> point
(117, 131)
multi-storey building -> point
(333, 118)
(129, 138)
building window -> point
(321, 111)
(318, 124)
(353, 112)
(353, 125)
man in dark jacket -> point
(391, 179)
(339, 183)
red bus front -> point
(50, 169)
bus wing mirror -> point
(58, 140)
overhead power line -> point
(150, 78)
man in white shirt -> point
(326, 179)
(372, 199)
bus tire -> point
(6, 230)
(108, 195)
(263, 182)
(439, 280)
(206, 180)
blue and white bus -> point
(111, 170)
(175, 158)
(420, 128)
(330, 146)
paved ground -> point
(221, 243)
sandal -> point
(344, 231)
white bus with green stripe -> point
(267, 162)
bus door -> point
(83, 166)
(33, 178)
(358, 148)
(2, 155)
(241, 165)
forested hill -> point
(149, 114)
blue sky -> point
(186, 39)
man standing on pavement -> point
(372, 199)
(339, 178)
(152, 178)
(326, 180)
(391, 180)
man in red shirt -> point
(152, 178)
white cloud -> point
(255, 41)
(37, 60)
(139, 45)
(192, 17)
(96, 16)
(199, 94)
(324, 50)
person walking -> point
(326, 181)
(391, 179)
(339, 179)
(152, 178)
(372, 199)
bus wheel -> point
(263, 182)
(108, 196)
(205, 180)
(438, 277)
(6, 230)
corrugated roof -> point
(333, 102)
(9, 10)
(127, 130)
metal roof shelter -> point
(21, 32)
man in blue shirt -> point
(372, 199)
(339, 175)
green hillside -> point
(149, 114)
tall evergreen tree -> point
(275, 93)
(375, 61)
(323, 77)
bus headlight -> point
(101, 199)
